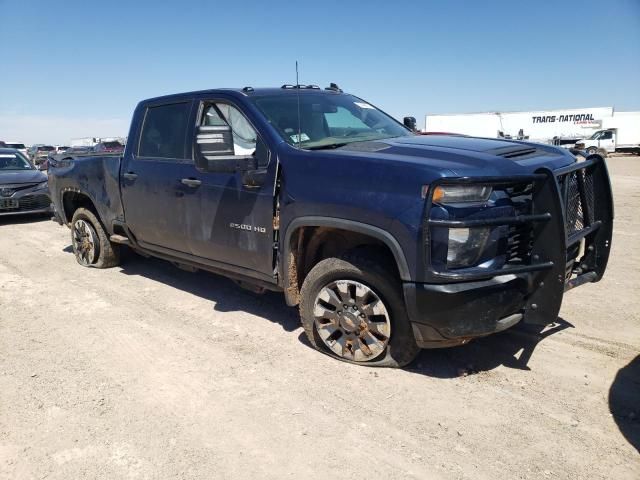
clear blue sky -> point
(71, 68)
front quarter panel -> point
(360, 189)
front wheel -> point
(352, 308)
(592, 150)
(91, 245)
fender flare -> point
(78, 191)
(97, 210)
(350, 225)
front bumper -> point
(35, 202)
(451, 314)
(570, 215)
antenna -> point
(298, 99)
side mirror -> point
(215, 151)
(410, 123)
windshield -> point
(16, 145)
(14, 161)
(112, 144)
(327, 121)
(45, 149)
(596, 135)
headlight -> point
(465, 246)
(42, 185)
(452, 194)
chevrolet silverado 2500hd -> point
(386, 240)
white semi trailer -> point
(597, 128)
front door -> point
(607, 141)
(234, 216)
(153, 176)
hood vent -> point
(370, 146)
(520, 153)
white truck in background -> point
(620, 133)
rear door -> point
(154, 192)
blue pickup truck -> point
(388, 241)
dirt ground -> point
(146, 371)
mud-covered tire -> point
(106, 254)
(401, 347)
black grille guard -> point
(571, 219)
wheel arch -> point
(72, 200)
(295, 265)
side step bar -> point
(121, 239)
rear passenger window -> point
(164, 132)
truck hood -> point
(464, 156)
(16, 177)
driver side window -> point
(244, 135)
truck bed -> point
(97, 176)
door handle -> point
(191, 182)
(130, 176)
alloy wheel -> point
(85, 242)
(352, 320)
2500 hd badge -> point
(249, 228)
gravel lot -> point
(146, 371)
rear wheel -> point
(352, 309)
(91, 245)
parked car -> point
(68, 154)
(81, 150)
(38, 155)
(388, 241)
(108, 147)
(18, 146)
(60, 149)
(23, 189)
(32, 149)
(57, 150)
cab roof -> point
(253, 92)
